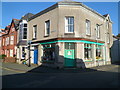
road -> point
(107, 78)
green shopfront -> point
(72, 53)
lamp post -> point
(29, 42)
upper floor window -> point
(88, 26)
(25, 33)
(108, 38)
(34, 31)
(107, 24)
(12, 40)
(13, 29)
(98, 30)
(7, 41)
(25, 25)
(47, 28)
(3, 41)
(69, 24)
(0, 42)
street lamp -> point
(29, 42)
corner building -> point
(70, 34)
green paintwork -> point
(69, 59)
(89, 42)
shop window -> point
(98, 52)
(48, 52)
(69, 45)
(87, 51)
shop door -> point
(35, 56)
(69, 55)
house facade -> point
(70, 34)
(115, 50)
(9, 40)
(22, 38)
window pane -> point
(69, 46)
(47, 28)
(25, 25)
(69, 24)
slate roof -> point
(26, 16)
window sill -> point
(69, 33)
(46, 35)
(34, 38)
(88, 35)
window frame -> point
(69, 25)
(47, 28)
(34, 36)
(88, 47)
(11, 40)
(88, 27)
(97, 30)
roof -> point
(27, 16)
(116, 37)
(105, 15)
(65, 2)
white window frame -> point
(11, 52)
(88, 27)
(11, 40)
(34, 32)
(24, 34)
(3, 41)
(0, 42)
(46, 31)
(97, 31)
(108, 38)
(68, 26)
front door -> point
(69, 55)
(35, 55)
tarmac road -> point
(102, 77)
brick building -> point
(9, 40)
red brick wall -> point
(9, 59)
(9, 46)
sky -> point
(18, 9)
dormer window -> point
(13, 29)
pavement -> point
(43, 69)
